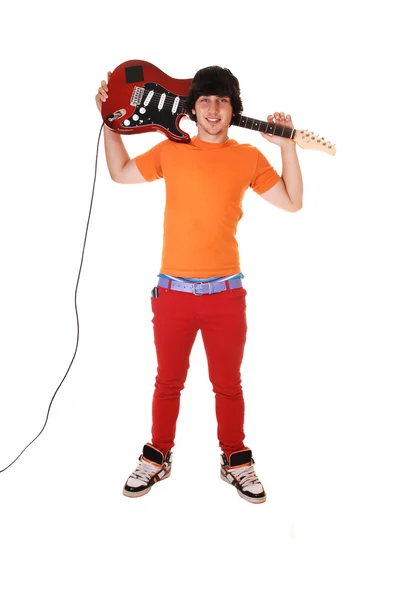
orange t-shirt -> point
(205, 185)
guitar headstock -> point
(309, 141)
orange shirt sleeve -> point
(150, 163)
(264, 176)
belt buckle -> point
(193, 288)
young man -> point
(200, 282)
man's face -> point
(213, 114)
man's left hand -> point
(279, 118)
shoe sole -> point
(143, 492)
(242, 495)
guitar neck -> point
(264, 126)
(305, 139)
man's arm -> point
(288, 192)
(122, 168)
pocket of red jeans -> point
(239, 292)
(155, 297)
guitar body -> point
(143, 98)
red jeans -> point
(221, 318)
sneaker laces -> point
(144, 471)
(245, 475)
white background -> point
(319, 371)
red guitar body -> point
(142, 98)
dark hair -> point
(214, 81)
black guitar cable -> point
(77, 314)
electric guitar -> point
(143, 98)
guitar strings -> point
(169, 103)
(278, 129)
(248, 124)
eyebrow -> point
(216, 95)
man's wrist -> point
(289, 147)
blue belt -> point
(200, 288)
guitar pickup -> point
(175, 105)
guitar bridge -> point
(137, 96)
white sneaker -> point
(239, 472)
(153, 467)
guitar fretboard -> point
(264, 126)
(254, 124)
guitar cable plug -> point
(118, 114)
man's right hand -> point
(102, 95)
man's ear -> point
(193, 111)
